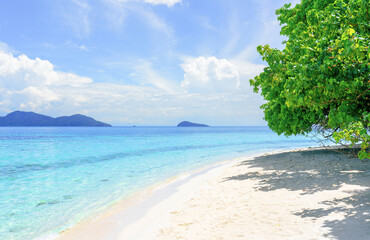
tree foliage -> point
(321, 78)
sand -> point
(307, 194)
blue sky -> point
(142, 62)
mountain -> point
(190, 124)
(19, 118)
(78, 120)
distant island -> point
(190, 124)
(31, 119)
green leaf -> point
(321, 78)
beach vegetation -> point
(320, 81)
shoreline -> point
(135, 199)
(130, 201)
(144, 214)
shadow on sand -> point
(319, 170)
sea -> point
(53, 177)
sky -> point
(136, 62)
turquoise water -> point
(52, 177)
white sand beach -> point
(306, 194)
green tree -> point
(320, 80)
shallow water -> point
(51, 177)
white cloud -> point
(74, 45)
(76, 15)
(221, 86)
(154, 21)
(34, 85)
(21, 71)
(205, 23)
(247, 70)
(116, 14)
(209, 74)
(233, 31)
(118, 11)
(145, 75)
(5, 48)
(168, 3)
